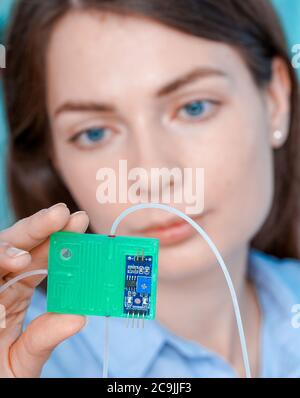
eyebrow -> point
(193, 76)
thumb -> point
(33, 348)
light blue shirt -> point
(156, 352)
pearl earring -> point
(278, 135)
(278, 139)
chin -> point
(179, 265)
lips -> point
(172, 232)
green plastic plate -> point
(101, 275)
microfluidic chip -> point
(100, 275)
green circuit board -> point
(102, 275)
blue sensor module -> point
(138, 282)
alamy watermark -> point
(2, 56)
(296, 56)
(295, 321)
(138, 185)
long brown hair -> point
(251, 26)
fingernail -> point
(57, 205)
(14, 252)
(79, 212)
(82, 213)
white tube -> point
(106, 348)
(22, 276)
(218, 257)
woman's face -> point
(218, 120)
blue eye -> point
(91, 137)
(95, 135)
(197, 109)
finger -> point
(19, 293)
(12, 259)
(78, 222)
(30, 232)
(30, 352)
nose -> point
(154, 151)
(152, 143)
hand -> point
(24, 247)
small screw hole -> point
(65, 254)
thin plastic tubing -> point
(106, 348)
(219, 258)
(21, 277)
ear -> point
(278, 99)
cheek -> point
(80, 179)
(245, 188)
(237, 159)
(240, 180)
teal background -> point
(5, 214)
(289, 11)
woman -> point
(185, 83)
